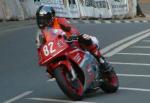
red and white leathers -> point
(86, 41)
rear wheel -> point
(72, 88)
(111, 82)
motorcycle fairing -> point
(88, 64)
(53, 46)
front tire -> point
(110, 82)
(73, 89)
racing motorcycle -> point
(77, 72)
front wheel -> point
(110, 82)
(72, 88)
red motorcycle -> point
(76, 71)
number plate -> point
(52, 48)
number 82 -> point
(48, 49)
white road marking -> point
(51, 80)
(117, 21)
(142, 47)
(57, 100)
(137, 64)
(67, 101)
(18, 97)
(108, 22)
(133, 75)
(115, 44)
(144, 21)
(97, 22)
(135, 89)
(123, 75)
(147, 41)
(136, 21)
(140, 54)
(125, 45)
(128, 21)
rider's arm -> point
(64, 24)
(67, 27)
(38, 38)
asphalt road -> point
(23, 81)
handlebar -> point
(71, 38)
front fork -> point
(74, 76)
(65, 63)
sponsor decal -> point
(97, 3)
(118, 0)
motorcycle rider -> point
(45, 17)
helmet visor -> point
(44, 20)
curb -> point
(15, 24)
(137, 20)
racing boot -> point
(86, 42)
(105, 64)
(106, 67)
